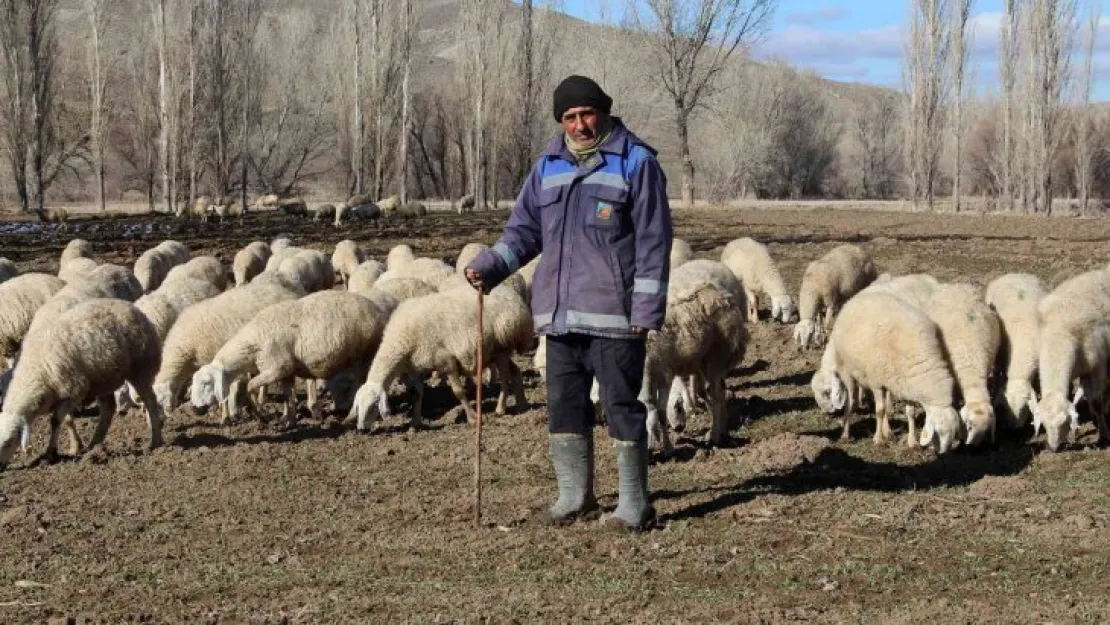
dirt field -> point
(252, 523)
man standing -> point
(595, 204)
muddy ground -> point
(253, 523)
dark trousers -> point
(573, 361)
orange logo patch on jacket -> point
(604, 211)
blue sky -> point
(860, 40)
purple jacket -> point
(605, 233)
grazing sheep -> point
(467, 255)
(971, 334)
(341, 213)
(279, 255)
(681, 253)
(153, 265)
(8, 270)
(270, 200)
(77, 269)
(250, 261)
(431, 270)
(1074, 343)
(436, 333)
(363, 212)
(280, 242)
(1014, 297)
(203, 328)
(915, 289)
(88, 353)
(399, 256)
(20, 299)
(58, 216)
(346, 258)
(207, 268)
(315, 337)
(76, 248)
(411, 210)
(827, 283)
(323, 211)
(891, 348)
(466, 203)
(756, 270)
(704, 335)
(231, 210)
(364, 276)
(309, 269)
(199, 208)
(389, 204)
(106, 281)
(293, 206)
(401, 288)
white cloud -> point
(799, 43)
(827, 14)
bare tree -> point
(961, 49)
(97, 15)
(690, 43)
(252, 15)
(1050, 32)
(1009, 52)
(359, 129)
(926, 74)
(407, 27)
(875, 131)
(480, 32)
(16, 100)
(158, 8)
(1084, 127)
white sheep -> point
(433, 271)
(346, 258)
(310, 269)
(469, 252)
(704, 335)
(399, 256)
(323, 211)
(153, 265)
(278, 256)
(106, 281)
(1074, 343)
(892, 348)
(971, 333)
(203, 328)
(8, 270)
(364, 276)
(1015, 297)
(250, 261)
(752, 264)
(76, 248)
(20, 299)
(827, 283)
(280, 242)
(76, 269)
(681, 253)
(437, 333)
(316, 337)
(88, 352)
(915, 289)
(206, 268)
(402, 288)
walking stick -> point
(478, 433)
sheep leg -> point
(881, 415)
(315, 406)
(718, 400)
(289, 389)
(417, 383)
(911, 422)
(74, 436)
(458, 387)
(753, 306)
(56, 419)
(107, 410)
(849, 407)
(155, 418)
(888, 433)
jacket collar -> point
(616, 144)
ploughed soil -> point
(255, 522)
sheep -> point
(233, 210)
(892, 348)
(77, 269)
(466, 203)
(436, 333)
(431, 270)
(20, 298)
(915, 289)
(315, 337)
(326, 211)
(153, 265)
(399, 256)
(249, 262)
(1074, 343)
(469, 252)
(364, 212)
(58, 216)
(346, 258)
(118, 281)
(1014, 298)
(203, 328)
(270, 200)
(827, 283)
(756, 270)
(279, 255)
(971, 334)
(704, 334)
(528, 271)
(681, 253)
(106, 281)
(281, 242)
(310, 269)
(411, 210)
(402, 288)
(199, 208)
(89, 351)
(389, 204)
(341, 212)
(8, 270)
(76, 248)
(294, 207)
(206, 268)
(364, 276)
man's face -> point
(581, 123)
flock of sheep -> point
(356, 207)
(177, 327)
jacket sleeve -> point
(651, 221)
(522, 241)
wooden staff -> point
(478, 432)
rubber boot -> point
(573, 457)
(634, 511)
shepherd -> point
(595, 205)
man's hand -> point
(474, 279)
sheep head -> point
(942, 428)
(15, 432)
(1018, 394)
(805, 333)
(1058, 417)
(978, 420)
(209, 387)
(829, 391)
(678, 402)
(370, 405)
(783, 309)
(342, 388)
(166, 394)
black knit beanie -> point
(578, 90)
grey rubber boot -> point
(573, 457)
(634, 511)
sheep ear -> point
(836, 393)
(24, 438)
(1073, 415)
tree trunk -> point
(163, 103)
(192, 117)
(406, 17)
(96, 130)
(245, 121)
(682, 121)
(40, 83)
(358, 156)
